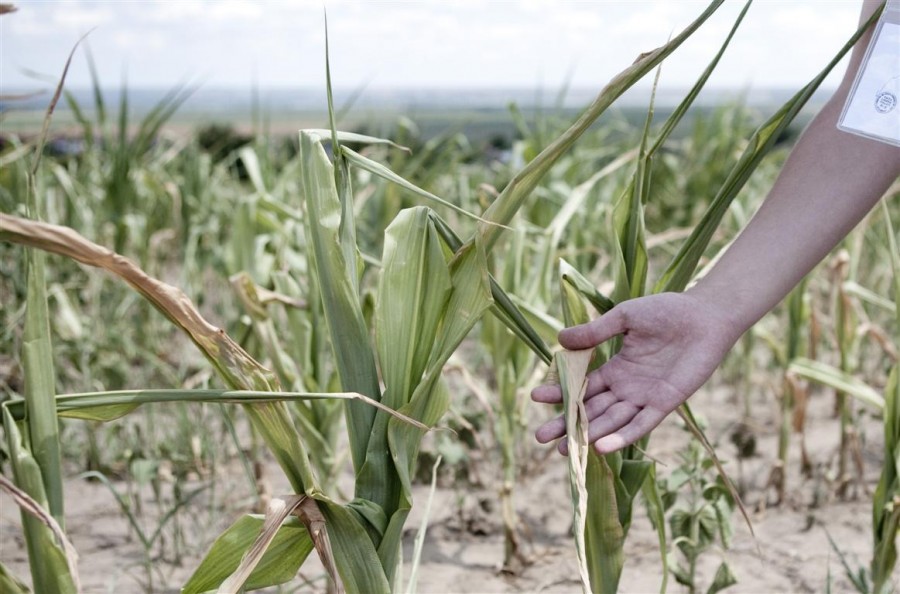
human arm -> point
(672, 343)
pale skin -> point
(673, 342)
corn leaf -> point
(413, 294)
(350, 338)
(381, 171)
(354, 554)
(657, 513)
(723, 579)
(680, 271)
(10, 583)
(604, 534)
(357, 138)
(574, 279)
(504, 307)
(283, 557)
(37, 362)
(829, 375)
(628, 221)
(504, 208)
(277, 511)
(885, 508)
(572, 367)
(108, 406)
(51, 575)
(673, 120)
(469, 299)
(413, 291)
(238, 369)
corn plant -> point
(877, 578)
(611, 482)
(426, 270)
(374, 355)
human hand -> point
(672, 343)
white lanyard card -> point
(873, 107)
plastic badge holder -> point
(873, 107)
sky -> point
(437, 44)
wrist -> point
(728, 310)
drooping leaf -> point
(829, 375)
(504, 208)
(723, 579)
(280, 563)
(572, 367)
(680, 271)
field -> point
(365, 311)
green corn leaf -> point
(357, 138)
(853, 288)
(10, 584)
(37, 362)
(341, 174)
(237, 368)
(680, 271)
(631, 477)
(657, 513)
(574, 310)
(354, 554)
(885, 508)
(605, 536)
(37, 351)
(51, 575)
(279, 564)
(583, 286)
(688, 100)
(381, 171)
(248, 157)
(894, 252)
(829, 375)
(350, 338)
(413, 291)
(469, 299)
(858, 579)
(108, 406)
(505, 306)
(504, 208)
(628, 220)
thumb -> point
(593, 333)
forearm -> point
(828, 184)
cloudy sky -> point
(464, 43)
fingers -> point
(600, 407)
(642, 423)
(593, 333)
(551, 430)
(552, 394)
(613, 418)
(547, 393)
(556, 428)
(613, 425)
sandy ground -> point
(463, 551)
